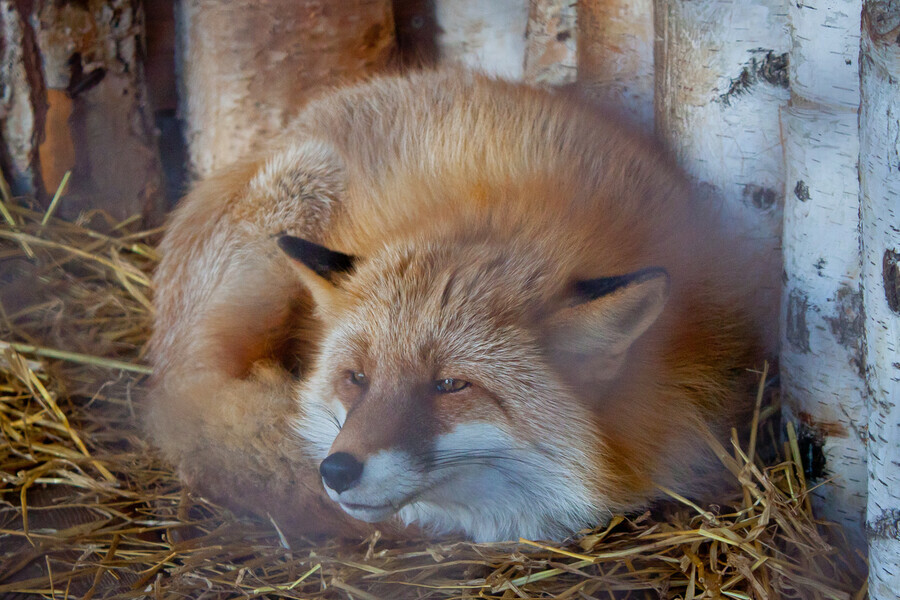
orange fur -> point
(474, 205)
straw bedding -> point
(89, 511)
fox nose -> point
(340, 471)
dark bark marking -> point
(883, 18)
(886, 526)
(811, 442)
(820, 265)
(764, 67)
(822, 428)
(801, 191)
(79, 80)
(760, 197)
(847, 324)
(796, 330)
(890, 271)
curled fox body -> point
(450, 302)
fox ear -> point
(591, 337)
(317, 266)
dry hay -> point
(89, 511)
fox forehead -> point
(471, 272)
(443, 304)
(405, 342)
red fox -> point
(451, 302)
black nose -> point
(340, 471)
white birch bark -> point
(822, 353)
(615, 56)
(880, 195)
(245, 67)
(486, 36)
(19, 123)
(550, 43)
(721, 79)
(822, 350)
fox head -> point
(448, 387)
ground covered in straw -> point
(87, 510)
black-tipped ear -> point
(322, 261)
(591, 289)
(592, 335)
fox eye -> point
(357, 378)
(449, 386)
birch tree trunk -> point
(550, 43)
(822, 355)
(23, 103)
(721, 79)
(236, 90)
(486, 36)
(615, 56)
(75, 100)
(880, 194)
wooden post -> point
(880, 194)
(246, 67)
(487, 36)
(615, 56)
(721, 80)
(822, 350)
(23, 104)
(77, 102)
(550, 43)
